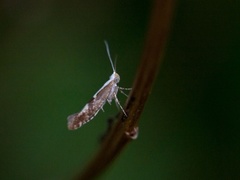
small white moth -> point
(107, 92)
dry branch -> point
(125, 129)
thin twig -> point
(126, 129)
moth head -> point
(115, 77)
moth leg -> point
(102, 109)
(117, 101)
(123, 93)
(109, 101)
(117, 104)
(122, 88)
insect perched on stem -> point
(107, 92)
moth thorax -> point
(115, 77)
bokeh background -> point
(52, 61)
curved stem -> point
(126, 129)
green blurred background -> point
(52, 60)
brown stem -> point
(125, 129)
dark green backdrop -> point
(52, 60)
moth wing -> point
(91, 109)
(71, 119)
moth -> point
(107, 92)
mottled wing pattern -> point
(91, 109)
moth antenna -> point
(109, 56)
(115, 63)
